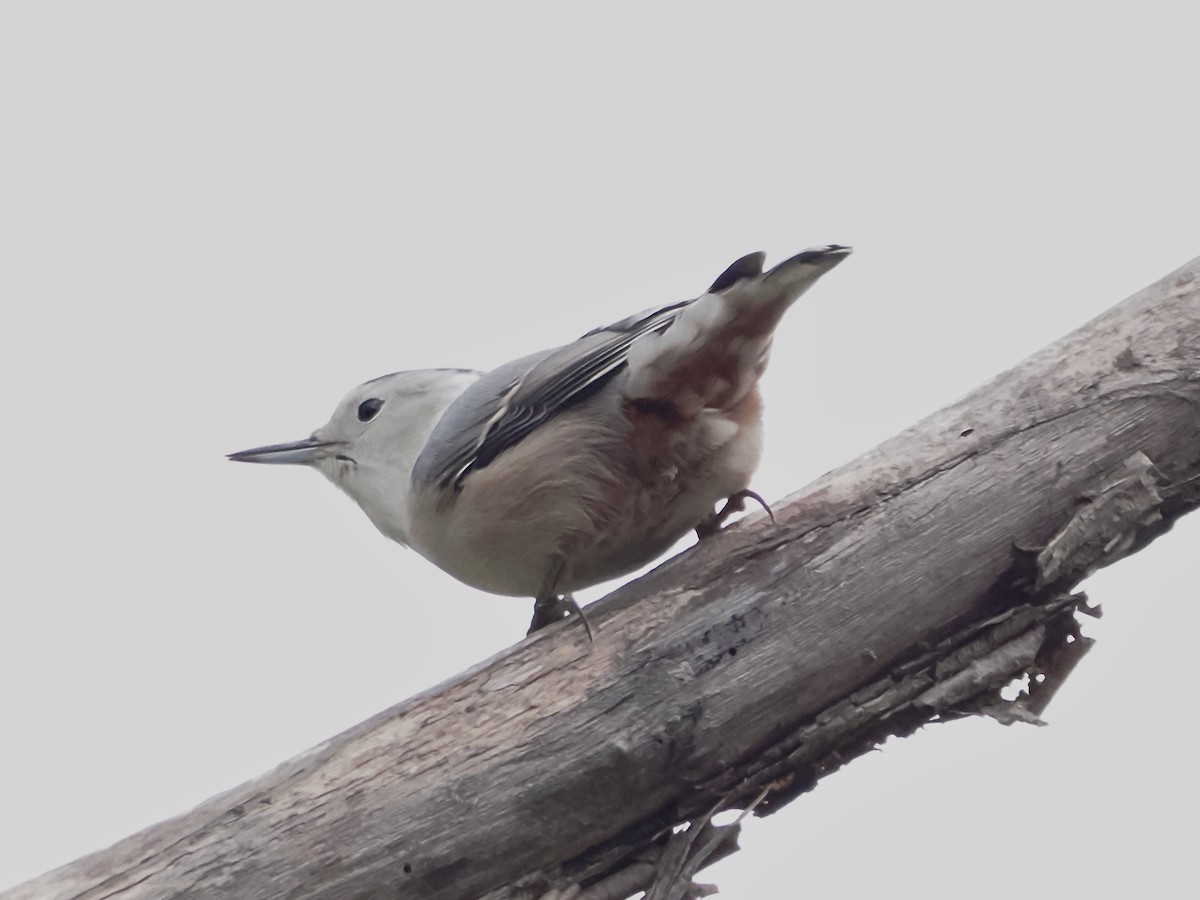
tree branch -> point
(910, 585)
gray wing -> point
(507, 404)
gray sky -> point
(218, 217)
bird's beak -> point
(297, 453)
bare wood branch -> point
(909, 585)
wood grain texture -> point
(892, 590)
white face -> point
(369, 445)
(386, 421)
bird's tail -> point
(717, 347)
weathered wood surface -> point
(742, 669)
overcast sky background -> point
(216, 218)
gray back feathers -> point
(506, 404)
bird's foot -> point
(548, 610)
(711, 524)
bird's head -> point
(369, 445)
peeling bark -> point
(911, 585)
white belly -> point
(603, 505)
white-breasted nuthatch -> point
(575, 465)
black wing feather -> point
(506, 405)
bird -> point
(573, 465)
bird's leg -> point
(711, 524)
(549, 607)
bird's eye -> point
(369, 409)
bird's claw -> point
(736, 503)
(548, 610)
